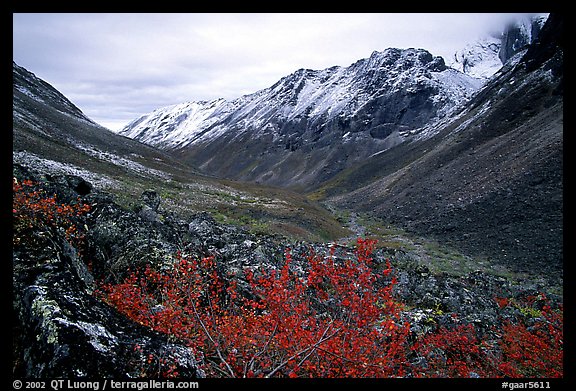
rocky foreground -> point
(62, 329)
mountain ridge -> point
(359, 110)
(343, 113)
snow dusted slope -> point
(484, 57)
(479, 59)
(174, 123)
(313, 99)
(33, 87)
(51, 134)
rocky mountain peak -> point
(485, 56)
(396, 59)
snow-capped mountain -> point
(490, 180)
(347, 112)
(485, 56)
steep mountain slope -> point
(490, 181)
(519, 35)
(311, 124)
(48, 127)
(52, 135)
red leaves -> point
(333, 320)
(520, 350)
(451, 353)
(281, 332)
(534, 350)
(33, 208)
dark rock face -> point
(549, 47)
(518, 36)
(65, 332)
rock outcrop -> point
(60, 329)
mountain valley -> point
(457, 175)
(474, 163)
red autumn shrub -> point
(32, 209)
(333, 319)
(454, 352)
(528, 345)
(352, 328)
(533, 345)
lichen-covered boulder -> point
(62, 330)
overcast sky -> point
(116, 67)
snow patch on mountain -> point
(458, 88)
(176, 122)
(58, 168)
(29, 93)
(479, 59)
(120, 161)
